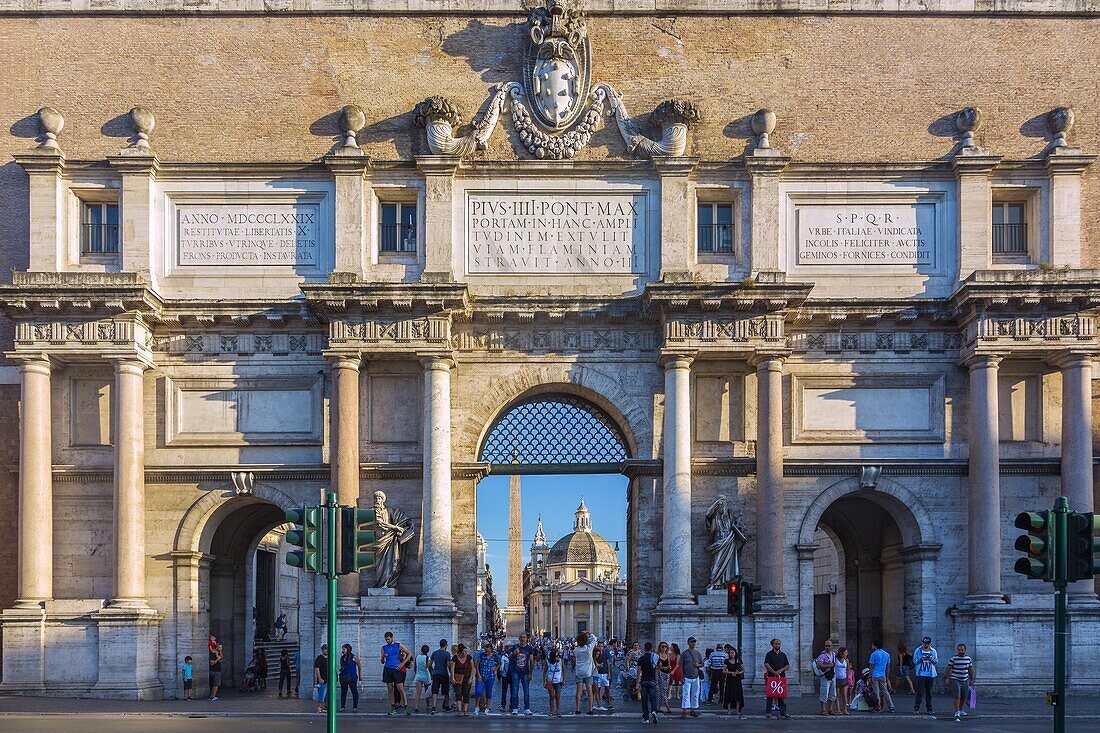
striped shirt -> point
(960, 667)
(717, 659)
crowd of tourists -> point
(662, 677)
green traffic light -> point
(308, 538)
(1038, 545)
(1083, 542)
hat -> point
(926, 640)
(691, 639)
(866, 671)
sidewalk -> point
(268, 704)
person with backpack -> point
(925, 660)
(825, 671)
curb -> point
(538, 716)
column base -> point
(30, 604)
(676, 602)
(129, 643)
(984, 599)
(23, 630)
(133, 604)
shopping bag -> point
(973, 702)
(775, 686)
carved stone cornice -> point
(41, 161)
(1068, 161)
(49, 294)
(345, 294)
(1034, 312)
(768, 293)
(135, 161)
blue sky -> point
(555, 498)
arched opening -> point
(553, 518)
(868, 569)
(861, 597)
(250, 584)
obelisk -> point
(514, 612)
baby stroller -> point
(628, 680)
(250, 683)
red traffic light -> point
(733, 587)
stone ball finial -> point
(143, 123)
(1060, 122)
(352, 122)
(967, 122)
(52, 123)
(763, 125)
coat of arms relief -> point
(556, 108)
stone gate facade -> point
(839, 274)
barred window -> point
(397, 226)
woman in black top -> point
(904, 669)
(284, 672)
(733, 691)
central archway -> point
(575, 446)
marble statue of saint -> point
(394, 532)
(726, 540)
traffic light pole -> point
(333, 547)
(1061, 547)
(740, 624)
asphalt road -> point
(372, 724)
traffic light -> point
(310, 519)
(1038, 545)
(733, 597)
(750, 597)
(357, 537)
(1082, 544)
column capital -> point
(436, 362)
(38, 361)
(676, 166)
(129, 363)
(676, 359)
(983, 361)
(344, 359)
(438, 165)
(769, 360)
(1073, 358)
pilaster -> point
(45, 169)
(439, 255)
(972, 167)
(765, 165)
(1064, 168)
(677, 218)
(137, 252)
(349, 167)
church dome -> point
(586, 548)
(582, 546)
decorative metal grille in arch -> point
(556, 430)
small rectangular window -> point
(99, 229)
(397, 228)
(715, 228)
(1009, 228)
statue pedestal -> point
(412, 624)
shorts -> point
(602, 681)
(556, 686)
(423, 679)
(215, 677)
(187, 684)
(903, 672)
(960, 690)
(586, 680)
(391, 674)
(841, 682)
(441, 685)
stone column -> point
(984, 482)
(35, 485)
(437, 480)
(676, 538)
(344, 455)
(769, 472)
(129, 418)
(1077, 477)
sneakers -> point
(528, 712)
(476, 712)
(407, 711)
(645, 721)
(653, 718)
(515, 712)
(392, 710)
(958, 717)
(213, 699)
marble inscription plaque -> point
(577, 233)
(257, 235)
(867, 234)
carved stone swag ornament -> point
(556, 108)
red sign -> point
(775, 686)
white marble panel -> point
(863, 409)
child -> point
(188, 679)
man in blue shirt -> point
(925, 660)
(880, 675)
(521, 660)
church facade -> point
(575, 585)
(831, 262)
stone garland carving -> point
(438, 116)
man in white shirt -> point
(925, 661)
